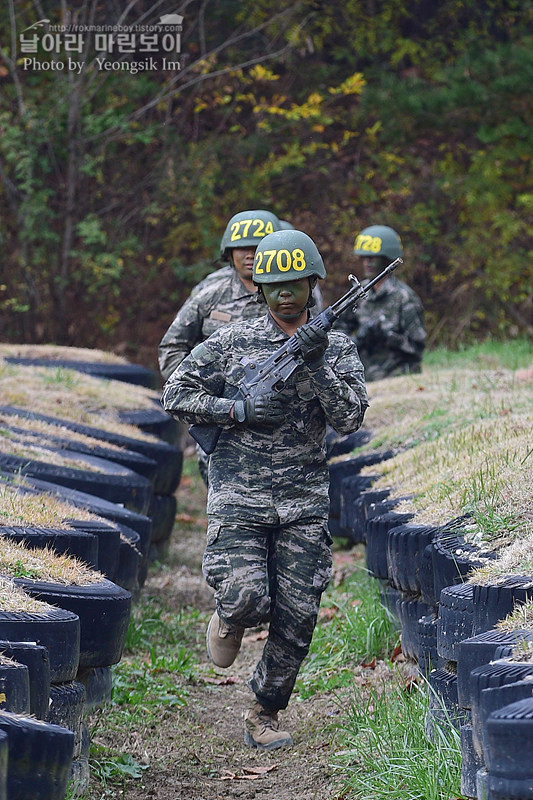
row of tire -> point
(56, 665)
(447, 625)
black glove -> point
(265, 409)
(312, 343)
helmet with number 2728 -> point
(378, 240)
(287, 256)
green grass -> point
(154, 674)
(513, 354)
(359, 630)
(386, 753)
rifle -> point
(272, 374)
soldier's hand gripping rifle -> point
(272, 374)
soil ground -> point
(197, 752)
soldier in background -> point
(388, 324)
(227, 295)
(268, 553)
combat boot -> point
(262, 729)
(223, 641)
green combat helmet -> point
(378, 240)
(285, 226)
(246, 229)
(287, 256)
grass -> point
(354, 628)
(155, 673)
(19, 561)
(387, 754)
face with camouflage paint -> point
(287, 299)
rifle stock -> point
(272, 374)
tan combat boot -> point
(223, 641)
(262, 729)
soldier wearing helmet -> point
(268, 554)
(231, 297)
(388, 325)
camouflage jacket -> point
(214, 304)
(257, 473)
(218, 299)
(390, 330)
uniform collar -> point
(238, 289)
(274, 332)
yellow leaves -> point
(352, 85)
(260, 73)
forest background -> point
(115, 187)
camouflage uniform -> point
(268, 548)
(390, 330)
(214, 304)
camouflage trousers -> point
(278, 573)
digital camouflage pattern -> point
(390, 330)
(264, 475)
(217, 303)
(268, 547)
(261, 570)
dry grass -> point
(15, 600)
(18, 561)
(516, 559)
(463, 441)
(75, 397)
(15, 444)
(35, 429)
(520, 619)
(54, 351)
(41, 511)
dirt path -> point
(196, 752)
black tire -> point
(98, 682)
(129, 373)
(108, 543)
(405, 549)
(453, 559)
(510, 767)
(35, 658)
(14, 687)
(4, 748)
(410, 611)
(494, 603)
(80, 544)
(470, 763)
(39, 758)
(99, 506)
(58, 630)
(377, 533)
(168, 457)
(129, 561)
(491, 676)
(427, 581)
(162, 512)
(80, 776)
(428, 658)
(154, 421)
(104, 612)
(338, 470)
(390, 600)
(492, 699)
(443, 707)
(358, 484)
(112, 482)
(354, 506)
(455, 619)
(67, 705)
(481, 649)
(338, 444)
